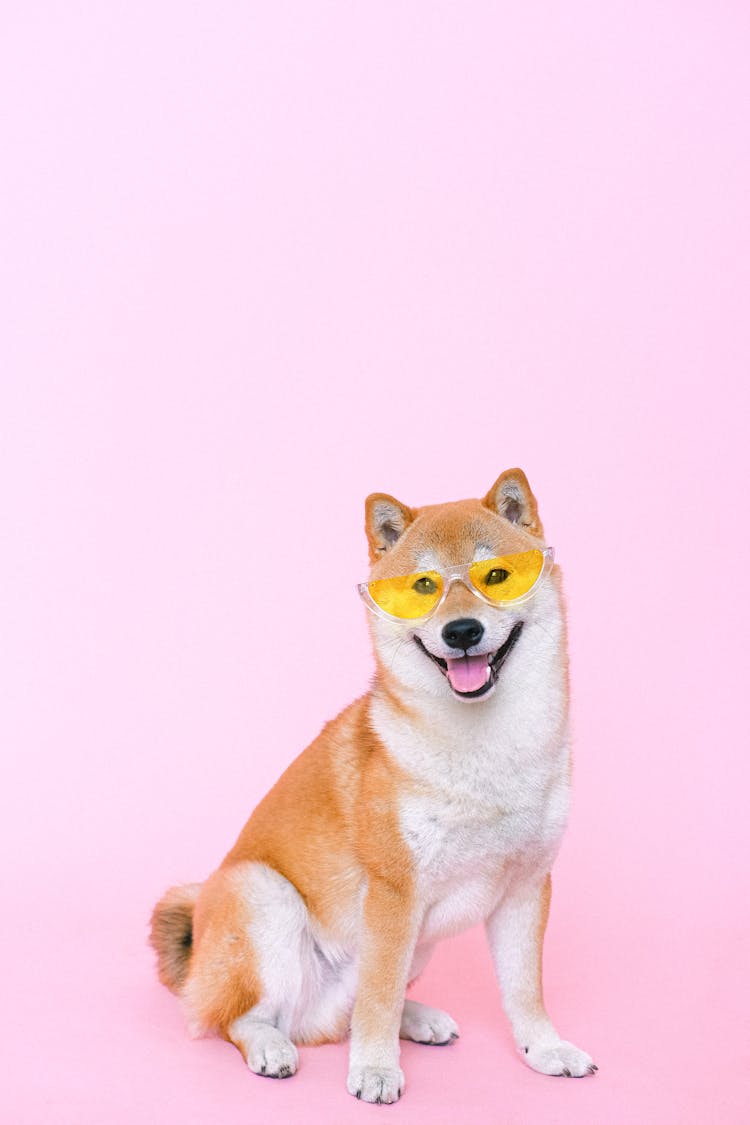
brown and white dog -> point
(421, 810)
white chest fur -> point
(489, 800)
(467, 849)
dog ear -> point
(385, 522)
(511, 497)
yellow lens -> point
(411, 595)
(509, 577)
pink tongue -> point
(468, 673)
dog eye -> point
(497, 574)
(424, 585)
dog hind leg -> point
(420, 1023)
(265, 1049)
(427, 1025)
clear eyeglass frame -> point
(460, 574)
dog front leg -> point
(516, 935)
(388, 938)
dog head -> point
(461, 650)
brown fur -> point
(450, 530)
(318, 796)
(223, 982)
(511, 496)
(172, 934)
(377, 524)
(544, 906)
(339, 797)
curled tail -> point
(172, 934)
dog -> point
(434, 802)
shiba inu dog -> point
(432, 803)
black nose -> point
(463, 633)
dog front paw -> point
(559, 1058)
(381, 1085)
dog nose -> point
(463, 632)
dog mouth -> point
(473, 676)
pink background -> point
(258, 261)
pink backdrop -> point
(257, 261)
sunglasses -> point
(506, 580)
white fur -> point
(426, 1025)
(380, 1084)
(308, 981)
(268, 1051)
(512, 934)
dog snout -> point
(463, 632)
